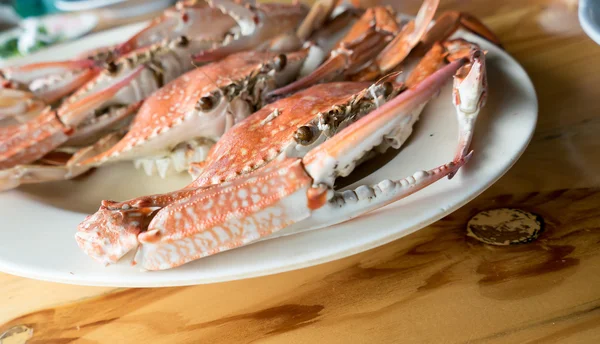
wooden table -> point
(435, 286)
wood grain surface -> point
(434, 286)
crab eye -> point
(183, 41)
(112, 67)
(388, 88)
(304, 135)
(206, 103)
(280, 62)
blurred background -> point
(26, 26)
(29, 25)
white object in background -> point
(56, 28)
(589, 18)
(133, 7)
(38, 222)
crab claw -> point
(204, 20)
(29, 88)
(112, 232)
(50, 81)
(25, 143)
(337, 157)
(49, 168)
(108, 235)
(469, 96)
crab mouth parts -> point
(251, 89)
(177, 160)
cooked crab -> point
(109, 97)
(27, 89)
(249, 188)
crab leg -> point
(450, 21)
(365, 40)
(398, 49)
(26, 174)
(336, 158)
(406, 51)
(41, 83)
(30, 141)
(316, 18)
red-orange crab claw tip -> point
(459, 162)
(108, 235)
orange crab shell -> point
(169, 106)
(257, 140)
(179, 236)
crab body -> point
(287, 191)
(108, 99)
(179, 123)
(212, 21)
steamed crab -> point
(115, 94)
(278, 168)
(382, 42)
(27, 89)
(365, 39)
(180, 122)
(235, 78)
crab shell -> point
(270, 131)
(199, 20)
(135, 76)
(200, 106)
(290, 190)
(194, 223)
(111, 232)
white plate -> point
(589, 17)
(38, 222)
